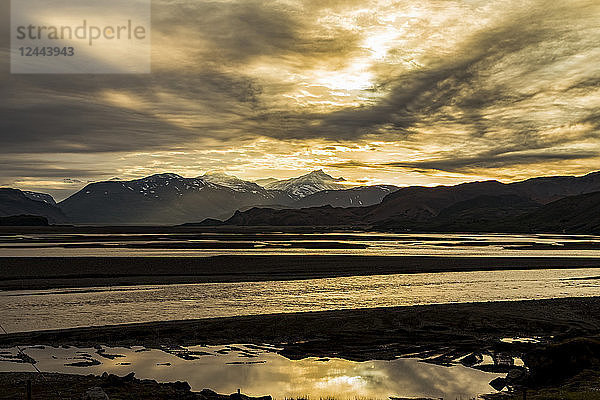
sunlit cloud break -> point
(379, 91)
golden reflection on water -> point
(260, 372)
(64, 308)
(334, 243)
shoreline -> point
(71, 386)
(37, 273)
(355, 334)
(564, 355)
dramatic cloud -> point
(379, 91)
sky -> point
(403, 92)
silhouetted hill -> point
(354, 197)
(315, 216)
(470, 206)
(24, 220)
(418, 203)
(14, 202)
(424, 203)
(573, 214)
(482, 213)
(548, 189)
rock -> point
(181, 386)
(129, 377)
(113, 380)
(471, 359)
(516, 375)
(560, 361)
(239, 396)
(95, 393)
(89, 362)
(210, 394)
(498, 384)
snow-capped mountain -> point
(160, 199)
(43, 197)
(308, 184)
(15, 202)
(172, 199)
(232, 182)
(265, 181)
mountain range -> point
(560, 203)
(14, 202)
(172, 199)
(308, 184)
(531, 205)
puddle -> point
(258, 370)
(521, 340)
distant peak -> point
(217, 173)
(318, 174)
(323, 175)
(167, 175)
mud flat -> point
(70, 386)
(558, 339)
(19, 273)
(357, 334)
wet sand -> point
(20, 273)
(359, 334)
(70, 386)
(566, 349)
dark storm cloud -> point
(69, 113)
(460, 89)
(481, 161)
(20, 167)
(234, 32)
(66, 113)
(353, 164)
(490, 160)
(511, 87)
(239, 31)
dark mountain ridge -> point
(167, 199)
(161, 199)
(172, 199)
(14, 202)
(572, 214)
(355, 197)
(486, 205)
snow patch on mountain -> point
(231, 182)
(308, 184)
(43, 197)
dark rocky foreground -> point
(64, 386)
(567, 356)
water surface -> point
(65, 308)
(353, 243)
(260, 371)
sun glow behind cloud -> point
(378, 91)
